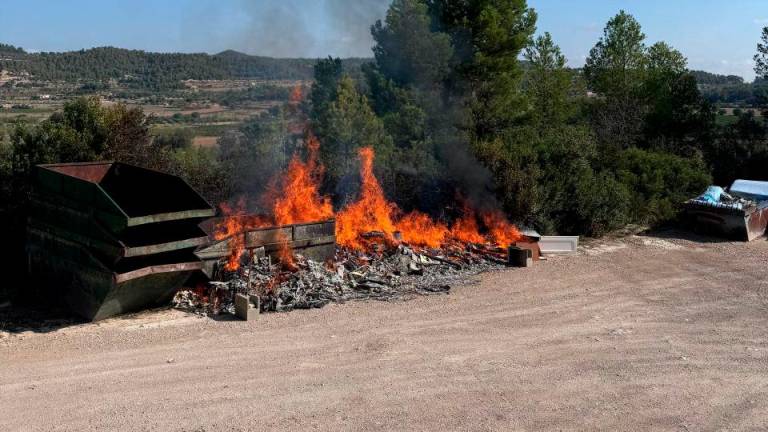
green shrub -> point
(659, 182)
(601, 204)
(201, 168)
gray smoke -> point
(280, 29)
(307, 28)
(353, 20)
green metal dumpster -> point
(108, 238)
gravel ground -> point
(639, 333)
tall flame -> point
(295, 198)
(298, 198)
(371, 212)
(297, 94)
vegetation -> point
(147, 70)
(459, 111)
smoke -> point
(473, 181)
(353, 20)
(275, 29)
(292, 28)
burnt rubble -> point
(389, 274)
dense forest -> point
(148, 70)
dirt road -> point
(634, 334)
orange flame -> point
(297, 94)
(371, 212)
(285, 254)
(465, 229)
(295, 198)
(420, 230)
(233, 226)
(501, 231)
(298, 198)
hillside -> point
(141, 69)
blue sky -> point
(717, 36)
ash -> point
(396, 274)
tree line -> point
(449, 107)
(147, 70)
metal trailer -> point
(109, 238)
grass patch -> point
(726, 120)
(197, 130)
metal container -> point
(110, 238)
(314, 240)
(744, 224)
(119, 195)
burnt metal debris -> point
(109, 238)
(393, 274)
(314, 240)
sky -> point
(718, 36)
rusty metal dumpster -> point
(109, 238)
(742, 215)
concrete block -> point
(520, 257)
(247, 307)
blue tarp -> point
(711, 195)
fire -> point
(285, 254)
(233, 226)
(419, 229)
(465, 229)
(371, 212)
(298, 197)
(297, 94)
(501, 231)
(295, 198)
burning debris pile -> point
(399, 273)
(377, 251)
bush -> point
(176, 139)
(201, 168)
(659, 182)
(601, 204)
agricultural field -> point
(203, 109)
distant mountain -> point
(143, 69)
